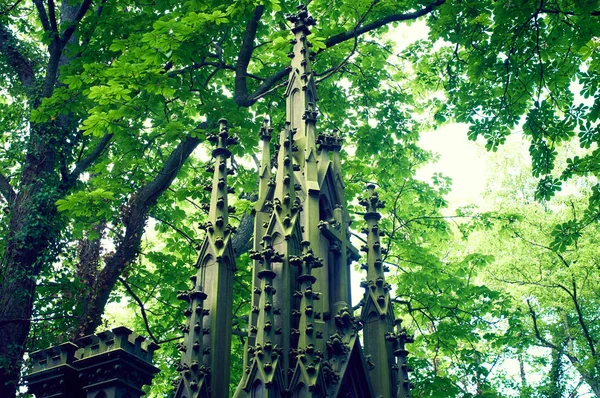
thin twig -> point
(141, 305)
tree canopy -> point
(106, 106)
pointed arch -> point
(301, 390)
(258, 390)
(325, 210)
(295, 113)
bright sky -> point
(460, 159)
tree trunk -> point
(88, 254)
(33, 231)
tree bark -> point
(34, 225)
(88, 265)
(33, 231)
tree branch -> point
(149, 193)
(9, 9)
(263, 89)
(52, 15)
(584, 326)
(21, 65)
(242, 239)
(244, 56)
(341, 37)
(135, 216)
(43, 15)
(85, 5)
(87, 161)
(560, 256)
(190, 240)
(141, 305)
(594, 13)
(538, 335)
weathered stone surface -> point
(116, 363)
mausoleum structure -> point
(304, 339)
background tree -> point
(553, 287)
(505, 66)
(105, 102)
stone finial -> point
(301, 19)
(266, 131)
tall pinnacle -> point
(301, 93)
(219, 212)
(265, 363)
(399, 339)
(377, 314)
(206, 349)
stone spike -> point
(264, 173)
(285, 191)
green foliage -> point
(530, 67)
(550, 284)
(149, 75)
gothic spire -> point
(206, 349)
(377, 313)
(265, 367)
(301, 93)
(299, 343)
